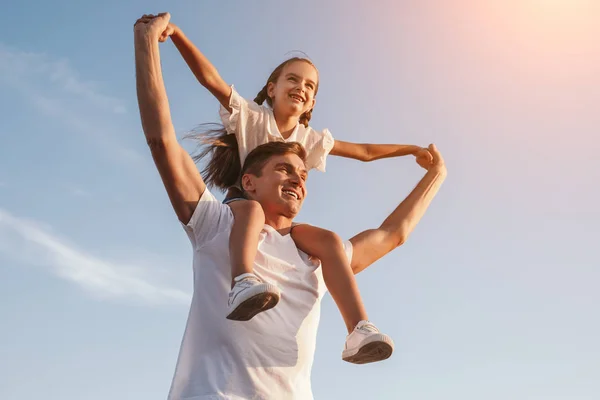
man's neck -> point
(280, 223)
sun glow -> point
(561, 8)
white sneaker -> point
(365, 344)
(249, 296)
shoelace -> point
(249, 279)
(368, 327)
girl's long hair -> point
(224, 168)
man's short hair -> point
(258, 158)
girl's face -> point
(294, 91)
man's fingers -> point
(434, 151)
(166, 16)
(437, 156)
(426, 155)
(154, 20)
(144, 19)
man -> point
(269, 357)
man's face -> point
(280, 189)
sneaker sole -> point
(379, 349)
(254, 305)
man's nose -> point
(296, 179)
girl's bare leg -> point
(249, 295)
(249, 220)
(337, 272)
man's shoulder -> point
(209, 218)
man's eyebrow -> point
(299, 77)
(290, 166)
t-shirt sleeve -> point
(209, 218)
(349, 250)
(238, 105)
(318, 145)
(247, 120)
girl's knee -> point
(250, 209)
(331, 238)
(317, 236)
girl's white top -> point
(255, 124)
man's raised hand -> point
(424, 158)
(154, 27)
(437, 162)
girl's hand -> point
(171, 30)
(424, 158)
(437, 164)
(155, 25)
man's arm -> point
(179, 174)
(372, 152)
(370, 245)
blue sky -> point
(493, 297)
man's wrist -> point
(439, 170)
(144, 36)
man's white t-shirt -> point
(268, 357)
(255, 124)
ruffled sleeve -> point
(230, 119)
(317, 145)
(247, 120)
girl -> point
(290, 94)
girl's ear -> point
(270, 89)
(314, 101)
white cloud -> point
(35, 244)
(79, 192)
(56, 90)
(19, 68)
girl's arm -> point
(204, 71)
(372, 152)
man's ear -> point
(248, 182)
